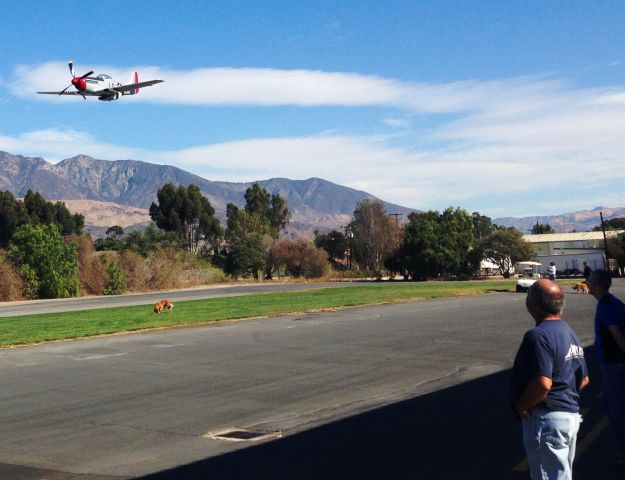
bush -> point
(135, 270)
(12, 285)
(117, 281)
(300, 258)
(165, 268)
(49, 267)
(91, 270)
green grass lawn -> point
(60, 326)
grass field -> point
(70, 325)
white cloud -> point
(57, 144)
(430, 179)
(273, 87)
(531, 136)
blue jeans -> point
(614, 397)
(550, 439)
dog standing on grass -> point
(162, 305)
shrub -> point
(135, 270)
(166, 267)
(91, 270)
(49, 267)
(12, 285)
(117, 281)
(300, 258)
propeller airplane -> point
(102, 86)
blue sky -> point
(509, 108)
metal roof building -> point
(571, 250)
(562, 243)
(589, 237)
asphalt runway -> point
(417, 389)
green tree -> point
(35, 210)
(12, 215)
(438, 244)
(270, 209)
(616, 248)
(43, 212)
(612, 224)
(143, 242)
(251, 231)
(482, 225)
(112, 242)
(67, 222)
(188, 213)
(49, 266)
(116, 284)
(541, 228)
(333, 242)
(246, 255)
(505, 247)
(457, 240)
(371, 240)
(114, 232)
(40, 210)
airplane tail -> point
(134, 78)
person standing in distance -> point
(610, 348)
(551, 271)
(548, 375)
(587, 271)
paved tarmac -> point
(415, 390)
(465, 432)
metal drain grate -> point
(240, 435)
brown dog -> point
(581, 287)
(163, 304)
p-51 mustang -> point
(102, 86)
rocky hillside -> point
(582, 221)
(120, 192)
(314, 203)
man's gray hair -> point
(547, 300)
(602, 277)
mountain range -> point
(580, 221)
(120, 192)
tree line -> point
(430, 245)
(44, 254)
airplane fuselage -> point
(101, 86)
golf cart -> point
(527, 273)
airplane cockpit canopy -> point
(103, 76)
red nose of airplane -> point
(80, 83)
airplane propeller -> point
(75, 80)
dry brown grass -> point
(135, 269)
(91, 271)
(166, 269)
(11, 283)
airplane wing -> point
(133, 86)
(60, 93)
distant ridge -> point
(315, 203)
(121, 191)
(581, 221)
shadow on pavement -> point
(462, 432)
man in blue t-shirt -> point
(548, 374)
(610, 348)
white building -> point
(569, 251)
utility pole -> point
(605, 241)
(396, 215)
